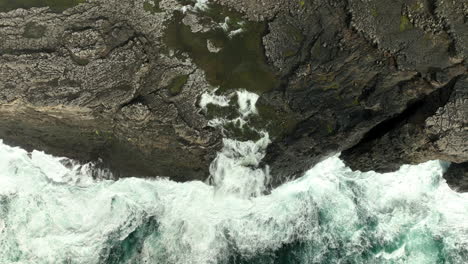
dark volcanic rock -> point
(434, 128)
(457, 176)
(384, 83)
(353, 70)
(91, 83)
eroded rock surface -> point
(91, 83)
(353, 70)
(384, 83)
(435, 128)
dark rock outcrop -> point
(91, 83)
(355, 72)
(383, 83)
(457, 176)
(434, 128)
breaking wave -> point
(54, 212)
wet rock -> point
(353, 70)
(385, 84)
(434, 128)
(457, 176)
(90, 83)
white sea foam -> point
(231, 33)
(211, 97)
(46, 218)
(225, 24)
(200, 5)
(247, 101)
(235, 32)
(52, 213)
(235, 170)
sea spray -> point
(245, 103)
(54, 211)
(330, 215)
(235, 169)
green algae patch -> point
(34, 31)
(54, 5)
(356, 101)
(80, 61)
(330, 128)
(177, 84)
(405, 23)
(152, 6)
(289, 53)
(325, 77)
(239, 63)
(333, 85)
(233, 58)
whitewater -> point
(52, 210)
(52, 213)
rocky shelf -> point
(120, 81)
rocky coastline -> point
(120, 82)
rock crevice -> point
(120, 81)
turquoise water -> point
(50, 213)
